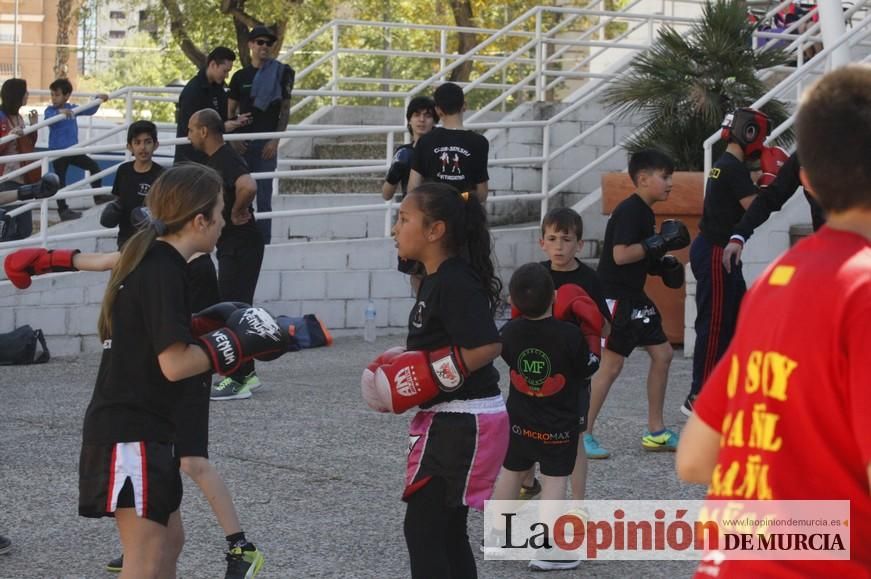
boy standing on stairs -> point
(451, 154)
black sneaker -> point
(68, 214)
(244, 562)
(114, 566)
(687, 407)
(5, 545)
(527, 493)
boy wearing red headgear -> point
(729, 192)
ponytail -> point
(466, 232)
(177, 196)
(132, 253)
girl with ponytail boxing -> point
(459, 436)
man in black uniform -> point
(240, 247)
(770, 199)
(261, 89)
(449, 153)
(420, 117)
(206, 90)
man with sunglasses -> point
(261, 89)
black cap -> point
(261, 31)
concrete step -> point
(350, 150)
(361, 183)
(358, 225)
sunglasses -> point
(263, 42)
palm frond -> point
(685, 83)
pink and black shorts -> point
(462, 442)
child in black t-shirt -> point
(459, 436)
(562, 231)
(420, 117)
(632, 249)
(549, 396)
(450, 154)
(133, 180)
(129, 468)
(730, 190)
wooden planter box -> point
(684, 203)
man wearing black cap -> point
(262, 89)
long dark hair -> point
(12, 95)
(466, 232)
(177, 196)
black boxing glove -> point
(112, 214)
(249, 333)
(45, 187)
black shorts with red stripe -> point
(140, 475)
(636, 323)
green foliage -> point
(685, 84)
(142, 62)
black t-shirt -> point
(632, 222)
(131, 187)
(240, 91)
(728, 182)
(586, 278)
(452, 309)
(196, 95)
(403, 178)
(454, 156)
(547, 361)
(132, 399)
(230, 166)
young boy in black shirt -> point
(449, 153)
(632, 249)
(730, 190)
(549, 396)
(133, 180)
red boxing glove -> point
(413, 378)
(20, 265)
(371, 394)
(770, 162)
(574, 305)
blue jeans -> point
(257, 164)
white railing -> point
(857, 34)
(537, 41)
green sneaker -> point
(663, 441)
(252, 381)
(244, 562)
(592, 448)
(229, 389)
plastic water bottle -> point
(369, 323)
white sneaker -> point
(544, 565)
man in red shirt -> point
(786, 414)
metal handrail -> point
(323, 167)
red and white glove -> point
(21, 264)
(413, 378)
(371, 394)
(770, 163)
(574, 305)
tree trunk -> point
(62, 51)
(462, 10)
(179, 32)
